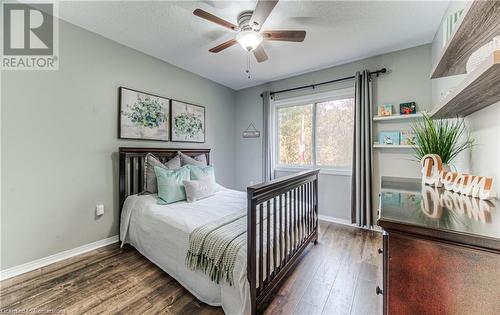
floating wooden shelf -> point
(479, 23)
(480, 88)
(398, 117)
(392, 146)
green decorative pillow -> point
(149, 172)
(170, 184)
(200, 172)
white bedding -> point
(161, 233)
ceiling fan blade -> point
(223, 46)
(261, 13)
(260, 54)
(215, 19)
(286, 36)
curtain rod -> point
(313, 86)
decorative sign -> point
(470, 185)
(251, 132)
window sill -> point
(323, 171)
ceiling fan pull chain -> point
(249, 76)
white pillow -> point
(199, 189)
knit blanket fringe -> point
(213, 247)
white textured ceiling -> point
(337, 32)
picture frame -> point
(384, 110)
(389, 137)
(408, 108)
(187, 122)
(143, 116)
(408, 138)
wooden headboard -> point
(131, 167)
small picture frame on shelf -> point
(408, 108)
(408, 138)
(384, 110)
(389, 137)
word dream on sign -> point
(465, 184)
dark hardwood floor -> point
(337, 276)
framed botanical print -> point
(143, 116)
(188, 122)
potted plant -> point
(444, 137)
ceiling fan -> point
(249, 34)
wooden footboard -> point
(282, 220)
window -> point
(295, 135)
(334, 132)
(315, 131)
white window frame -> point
(313, 99)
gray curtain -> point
(267, 138)
(361, 192)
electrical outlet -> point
(99, 210)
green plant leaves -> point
(441, 137)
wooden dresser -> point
(441, 251)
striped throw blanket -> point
(213, 247)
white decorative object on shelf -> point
(480, 55)
(398, 117)
(445, 95)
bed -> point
(281, 219)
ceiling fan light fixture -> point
(249, 39)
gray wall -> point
(408, 79)
(485, 155)
(59, 141)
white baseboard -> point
(328, 218)
(42, 262)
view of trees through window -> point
(334, 134)
(295, 135)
